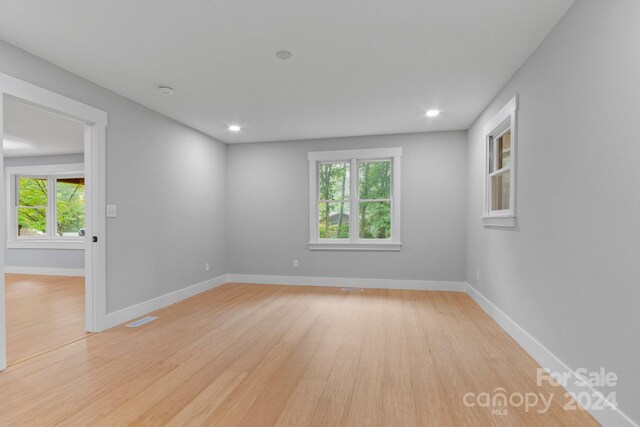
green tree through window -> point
(333, 206)
(33, 206)
(375, 200)
(69, 206)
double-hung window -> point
(46, 205)
(355, 199)
(500, 167)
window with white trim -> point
(500, 165)
(355, 199)
(46, 203)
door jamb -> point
(95, 124)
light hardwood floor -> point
(258, 355)
(43, 312)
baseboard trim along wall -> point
(544, 357)
(126, 314)
(610, 416)
(47, 271)
(418, 285)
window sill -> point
(45, 244)
(499, 221)
(331, 246)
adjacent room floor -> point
(43, 312)
(259, 355)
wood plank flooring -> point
(43, 312)
(263, 355)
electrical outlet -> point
(112, 211)
(478, 275)
(296, 264)
(207, 267)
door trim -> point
(95, 124)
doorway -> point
(52, 238)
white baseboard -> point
(546, 359)
(421, 285)
(48, 271)
(124, 315)
(121, 316)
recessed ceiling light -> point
(433, 113)
(283, 54)
(166, 90)
(234, 128)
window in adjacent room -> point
(46, 203)
(500, 182)
(69, 206)
(32, 208)
(355, 199)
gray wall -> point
(167, 180)
(568, 274)
(268, 205)
(43, 160)
(51, 258)
(45, 258)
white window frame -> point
(51, 240)
(503, 121)
(354, 157)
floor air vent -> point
(352, 289)
(141, 322)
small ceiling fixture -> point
(166, 90)
(283, 54)
(433, 113)
(234, 128)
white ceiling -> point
(33, 131)
(359, 66)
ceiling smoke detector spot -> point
(166, 90)
(283, 54)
